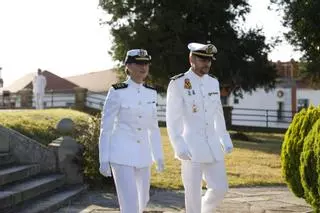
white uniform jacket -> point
(130, 134)
(194, 117)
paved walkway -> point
(238, 200)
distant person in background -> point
(39, 85)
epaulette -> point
(177, 76)
(213, 76)
(120, 85)
(149, 87)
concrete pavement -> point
(238, 200)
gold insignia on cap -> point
(210, 49)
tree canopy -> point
(165, 27)
(302, 17)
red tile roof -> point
(54, 82)
(99, 81)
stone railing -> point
(68, 153)
(26, 150)
(62, 155)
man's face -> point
(200, 66)
(138, 72)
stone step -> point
(19, 192)
(17, 172)
(51, 201)
(5, 159)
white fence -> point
(95, 100)
(261, 117)
(51, 100)
(55, 100)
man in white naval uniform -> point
(39, 84)
(197, 131)
(130, 138)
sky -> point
(64, 36)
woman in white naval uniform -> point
(197, 131)
(130, 138)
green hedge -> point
(290, 153)
(310, 166)
(299, 155)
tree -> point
(165, 27)
(302, 17)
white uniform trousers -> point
(133, 186)
(38, 99)
(217, 185)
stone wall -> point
(26, 150)
(4, 140)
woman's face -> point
(138, 72)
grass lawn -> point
(252, 163)
(40, 124)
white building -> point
(274, 108)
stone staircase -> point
(23, 189)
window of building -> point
(236, 100)
(303, 103)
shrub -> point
(292, 148)
(310, 164)
(89, 139)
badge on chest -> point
(190, 91)
(194, 108)
(188, 87)
(212, 93)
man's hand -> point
(160, 165)
(228, 150)
(105, 169)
